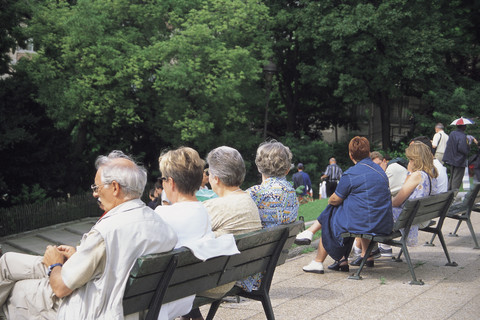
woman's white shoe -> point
(315, 267)
(304, 238)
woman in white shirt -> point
(182, 173)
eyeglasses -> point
(95, 187)
(163, 178)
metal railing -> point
(33, 216)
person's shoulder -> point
(417, 175)
(212, 202)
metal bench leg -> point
(430, 244)
(450, 263)
(454, 233)
(267, 306)
(213, 309)
(470, 226)
(397, 259)
(357, 276)
(410, 267)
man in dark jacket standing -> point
(302, 179)
(455, 156)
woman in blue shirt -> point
(361, 204)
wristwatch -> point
(50, 268)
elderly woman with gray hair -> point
(275, 198)
(233, 212)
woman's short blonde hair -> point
(422, 158)
(273, 159)
(185, 167)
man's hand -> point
(67, 251)
(53, 255)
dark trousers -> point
(330, 187)
(456, 177)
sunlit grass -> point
(311, 210)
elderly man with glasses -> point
(87, 282)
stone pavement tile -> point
(469, 311)
(29, 244)
(451, 292)
(60, 236)
(82, 226)
(434, 309)
(65, 233)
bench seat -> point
(414, 212)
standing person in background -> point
(332, 175)
(302, 179)
(439, 142)
(456, 154)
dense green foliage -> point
(142, 76)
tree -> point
(145, 75)
(14, 14)
(304, 102)
(375, 51)
(33, 151)
(457, 92)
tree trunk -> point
(75, 173)
(384, 105)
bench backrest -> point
(184, 274)
(423, 209)
(471, 197)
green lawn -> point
(311, 210)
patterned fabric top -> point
(277, 204)
(276, 201)
(424, 188)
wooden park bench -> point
(414, 212)
(160, 278)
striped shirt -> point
(333, 172)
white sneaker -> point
(315, 267)
(304, 238)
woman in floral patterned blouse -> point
(275, 198)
